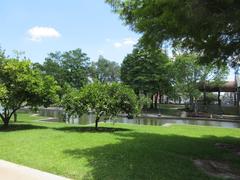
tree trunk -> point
(15, 117)
(179, 100)
(204, 95)
(6, 116)
(160, 99)
(195, 106)
(167, 100)
(96, 122)
(5, 121)
(152, 102)
(191, 101)
(155, 101)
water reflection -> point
(90, 119)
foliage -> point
(23, 86)
(143, 102)
(146, 71)
(105, 71)
(72, 104)
(210, 98)
(2, 53)
(208, 27)
(75, 66)
(69, 67)
(52, 66)
(122, 99)
(189, 75)
(108, 99)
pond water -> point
(90, 119)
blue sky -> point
(41, 27)
(44, 26)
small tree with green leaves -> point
(122, 99)
(108, 99)
(20, 86)
(72, 104)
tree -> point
(20, 86)
(105, 71)
(122, 99)
(147, 71)
(2, 53)
(75, 66)
(70, 67)
(108, 99)
(72, 104)
(53, 66)
(189, 75)
(211, 27)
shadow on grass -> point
(91, 129)
(19, 127)
(153, 156)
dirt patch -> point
(217, 169)
(232, 148)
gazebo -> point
(229, 86)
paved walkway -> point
(11, 171)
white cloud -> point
(129, 41)
(117, 44)
(126, 42)
(38, 33)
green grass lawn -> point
(117, 151)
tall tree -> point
(52, 66)
(211, 27)
(75, 66)
(105, 70)
(187, 75)
(147, 71)
(70, 67)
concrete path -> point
(11, 171)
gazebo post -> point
(238, 98)
(219, 101)
(237, 82)
(204, 97)
(235, 98)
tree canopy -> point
(21, 85)
(102, 98)
(105, 71)
(146, 70)
(71, 67)
(188, 75)
(211, 28)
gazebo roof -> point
(229, 86)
